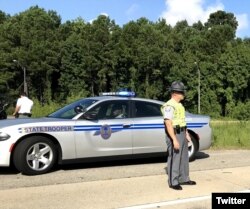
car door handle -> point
(126, 125)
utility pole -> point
(25, 86)
(199, 87)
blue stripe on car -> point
(196, 125)
(133, 126)
(148, 126)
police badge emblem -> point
(105, 131)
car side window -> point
(147, 109)
(108, 110)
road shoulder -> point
(128, 191)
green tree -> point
(77, 59)
(32, 36)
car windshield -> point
(71, 110)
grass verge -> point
(231, 134)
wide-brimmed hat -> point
(177, 86)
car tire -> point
(35, 155)
(192, 148)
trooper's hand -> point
(176, 144)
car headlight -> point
(4, 136)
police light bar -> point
(119, 93)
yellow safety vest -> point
(179, 112)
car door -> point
(148, 128)
(101, 131)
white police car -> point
(91, 129)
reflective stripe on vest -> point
(179, 112)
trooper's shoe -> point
(188, 183)
(176, 187)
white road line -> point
(244, 191)
(165, 203)
(174, 202)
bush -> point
(42, 110)
(242, 111)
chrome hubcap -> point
(39, 156)
(190, 148)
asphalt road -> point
(132, 184)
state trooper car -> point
(91, 129)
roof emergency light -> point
(121, 93)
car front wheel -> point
(192, 148)
(34, 155)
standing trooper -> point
(177, 138)
(23, 106)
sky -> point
(123, 11)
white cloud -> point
(196, 10)
(102, 13)
(190, 10)
(242, 21)
(242, 30)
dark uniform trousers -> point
(178, 160)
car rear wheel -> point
(192, 148)
(35, 155)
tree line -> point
(80, 59)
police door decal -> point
(105, 131)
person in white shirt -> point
(23, 106)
